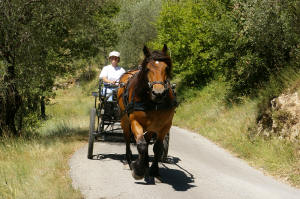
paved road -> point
(198, 170)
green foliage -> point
(265, 43)
(101, 32)
(136, 22)
(39, 40)
(197, 33)
(246, 41)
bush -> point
(266, 42)
(246, 41)
(197, 34)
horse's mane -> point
(159, 56)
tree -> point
(38, 41)
(244, 40)
(265, 42)
(136, 22)
(198, 34)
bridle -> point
(165, 83)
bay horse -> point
(147, 104)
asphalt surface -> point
(197, 169)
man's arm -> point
(108, 81)
(103, 75)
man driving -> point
(110, 74)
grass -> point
(37, 166)
(207, 113)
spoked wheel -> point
(164, 157)
(91, 133)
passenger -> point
(111, 74)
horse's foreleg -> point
(158, 151)
(140, 166)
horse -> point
(147, 104)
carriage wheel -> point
(164, 157)
(91, 133)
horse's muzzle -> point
(158, 95)
(159, 90)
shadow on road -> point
(114, 156)
(180, 179)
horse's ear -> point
(146, 51)
(165, 49)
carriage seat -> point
(108, 91)
(108, 96)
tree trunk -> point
(20, 117)
(10, 103)
(43, 108)
(1, 114)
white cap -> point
(114, 54)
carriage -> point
(144, 106)
(104, 117)
(105, 120)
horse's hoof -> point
(136, 177)
(149, 180)
(137, 172)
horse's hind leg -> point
(127, 133)
(128, 154)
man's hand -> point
(108, 81)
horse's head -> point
(157, 68)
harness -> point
(131, 105)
